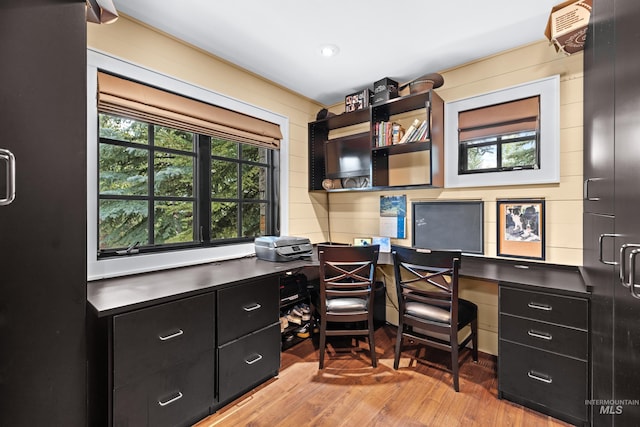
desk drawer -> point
(248, 361)
(179, 396)
(559, 309)
(547, 379)
(247, 308)
(151, 339)
(545, 336)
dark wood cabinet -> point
(248, 336)
(43, 378)
(611, 158)
(163, 366)
(173, 362)
(429, 106)
(544, 351)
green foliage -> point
(124, 171)
(521, 153)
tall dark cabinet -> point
(612, 197)
(43, 231)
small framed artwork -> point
(362, 241)
(521, 228)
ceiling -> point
(280, 40)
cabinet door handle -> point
(632, 273)
(537, 306)
(585, 189)
(8, 157)
(540, 377)
(170, 401)
(171, 336)
(255, 306)
(600, 241)
(254, 360)
(623, 262)
(541, 335)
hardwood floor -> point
(348, 391)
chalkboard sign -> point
(449, 225)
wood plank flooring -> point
(349, 392)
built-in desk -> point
(170, 347)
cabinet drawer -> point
(248, 361)
(151, 339)
(547, 379)
(179, 396)
(247, 308)
(552, 308)
(545, 336)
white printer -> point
(283, 248)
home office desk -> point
(184, 342)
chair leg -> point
(474, 339)
(454, 364)
(372, 345)
(323, 339)
(396, 359)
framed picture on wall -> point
(521, 228)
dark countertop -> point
(122, 294)
(126, 293)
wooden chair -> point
(427, 287)
(346, 293)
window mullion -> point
(151, 180)
(204, 188)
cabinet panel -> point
(627, 198)
(179, 396)
(599, 110)
(546, 307)
(547, 379)
(155, 338)
(246, 308)
(248, 361)
(545, 336)
(43, 241)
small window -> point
(506, 137)
(499, 138)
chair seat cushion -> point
(467, 311)
(344, 305)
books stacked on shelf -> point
(417, 132)
(387, 133)
(391, 133)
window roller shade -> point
(130, 99)
(509, 117)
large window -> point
(198, 173)
(155, 182)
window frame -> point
(548, 137)
(119, 266)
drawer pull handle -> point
(255, 306)
(174, 335)
(540, 377)
(541, 335)
(170, 401)
(544, 307)
(254, 360)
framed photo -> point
(362, 241)
(521, 228)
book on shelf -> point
(407, 135)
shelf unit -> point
(379, 176)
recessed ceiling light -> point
(329, 50)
